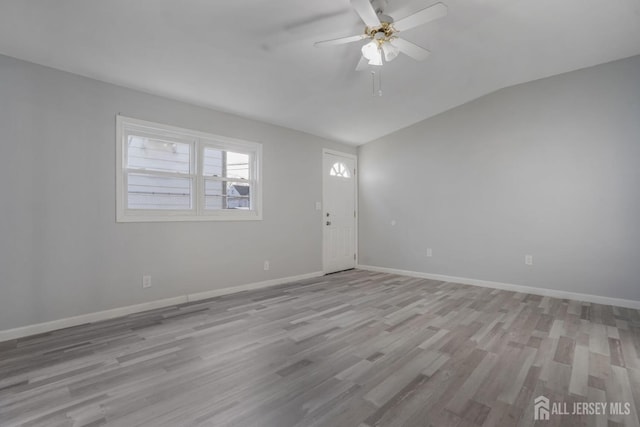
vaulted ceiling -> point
(256, 58)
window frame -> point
(198, 141)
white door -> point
(339, 213)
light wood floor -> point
(351, 349)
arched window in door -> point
(340, 170)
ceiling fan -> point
(382, 31)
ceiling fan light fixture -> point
(376, 61)
(372, 52)
(390, 51)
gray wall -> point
(549, 168)
(61, 251)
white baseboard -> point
(251, 286)
(618, 302)
(53, 325)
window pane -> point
(159, 192)
(213, 194)
(158, 155)
(227, 164)
(238, 196)
(237, 165)
(227, 195)
(212, 162)
(339, 169)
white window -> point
(172, 174)
(340, 170)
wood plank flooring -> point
(351, 349)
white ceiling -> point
(256, 58)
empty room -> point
(346, 213)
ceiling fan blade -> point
(362, 64)
(367, 13)
(423, 16)
(341, 40)
(413, 50)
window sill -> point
(253, 216)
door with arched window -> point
(339, 213)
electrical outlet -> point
(429, 252)
(266, 265)
(146, 281)
(528, 259)
(318, 206)
(393, 222)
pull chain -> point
(373, 83)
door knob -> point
(328, 222)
